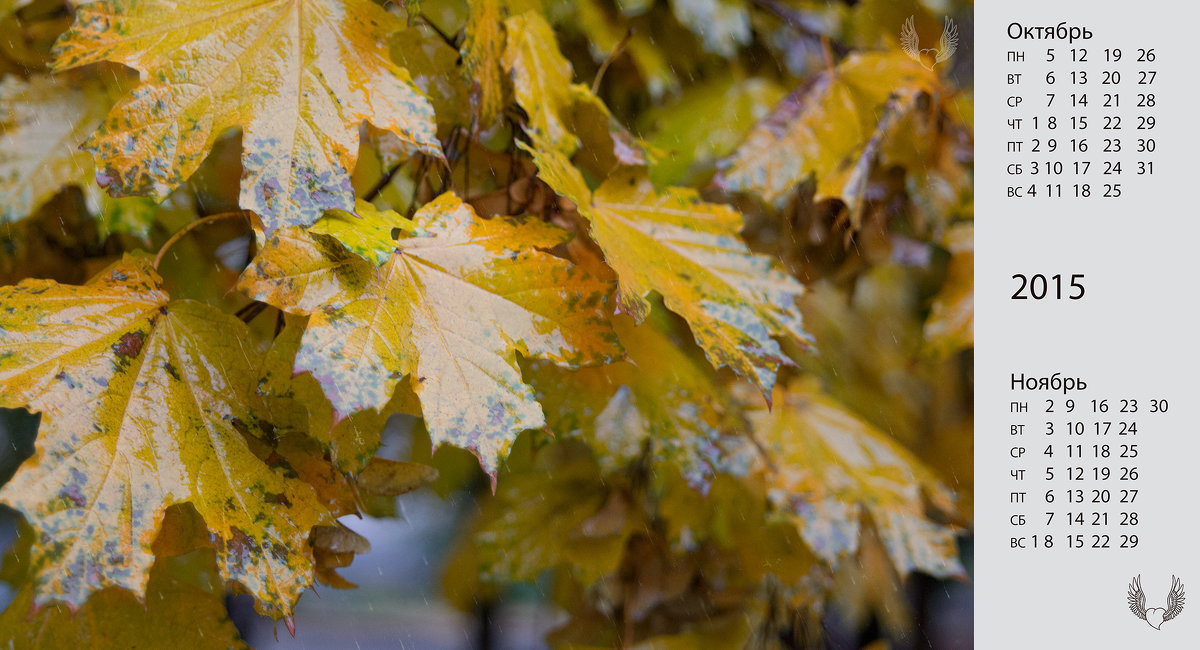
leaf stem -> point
(467, 168)
(627, 622)
(453, 155)
(609, 59)
(827, 53)
(245, 214)
(452, 42)
(422, 170)
(251, 311)
(382, 182)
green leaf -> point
(131, 215)
(708, 121)
(367, 232)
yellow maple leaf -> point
(450, 309)
(299, 77)
(184, 604)
(951, 324)
(826, 128)
(297, 404)
(689, 252)
(661, 401)
(541, 77)
(567, 116)
(830, 469)
(140, 400)
(482, 49)
(42, 123)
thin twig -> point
(244, 214)
(247, 308)
(422, 170)
(627, 622)
(512, 164)
(452, 156)
(861, 172)
(382, 183)
(762, 451)
(467, 169)
(609, 59)
(251, 311)
(452, 42)
(827, 53)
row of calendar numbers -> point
(1057, 134)
(1089, 486)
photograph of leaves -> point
(486, 323)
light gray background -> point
(1134, 335)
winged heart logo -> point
(928, 57)
(1155, 616)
